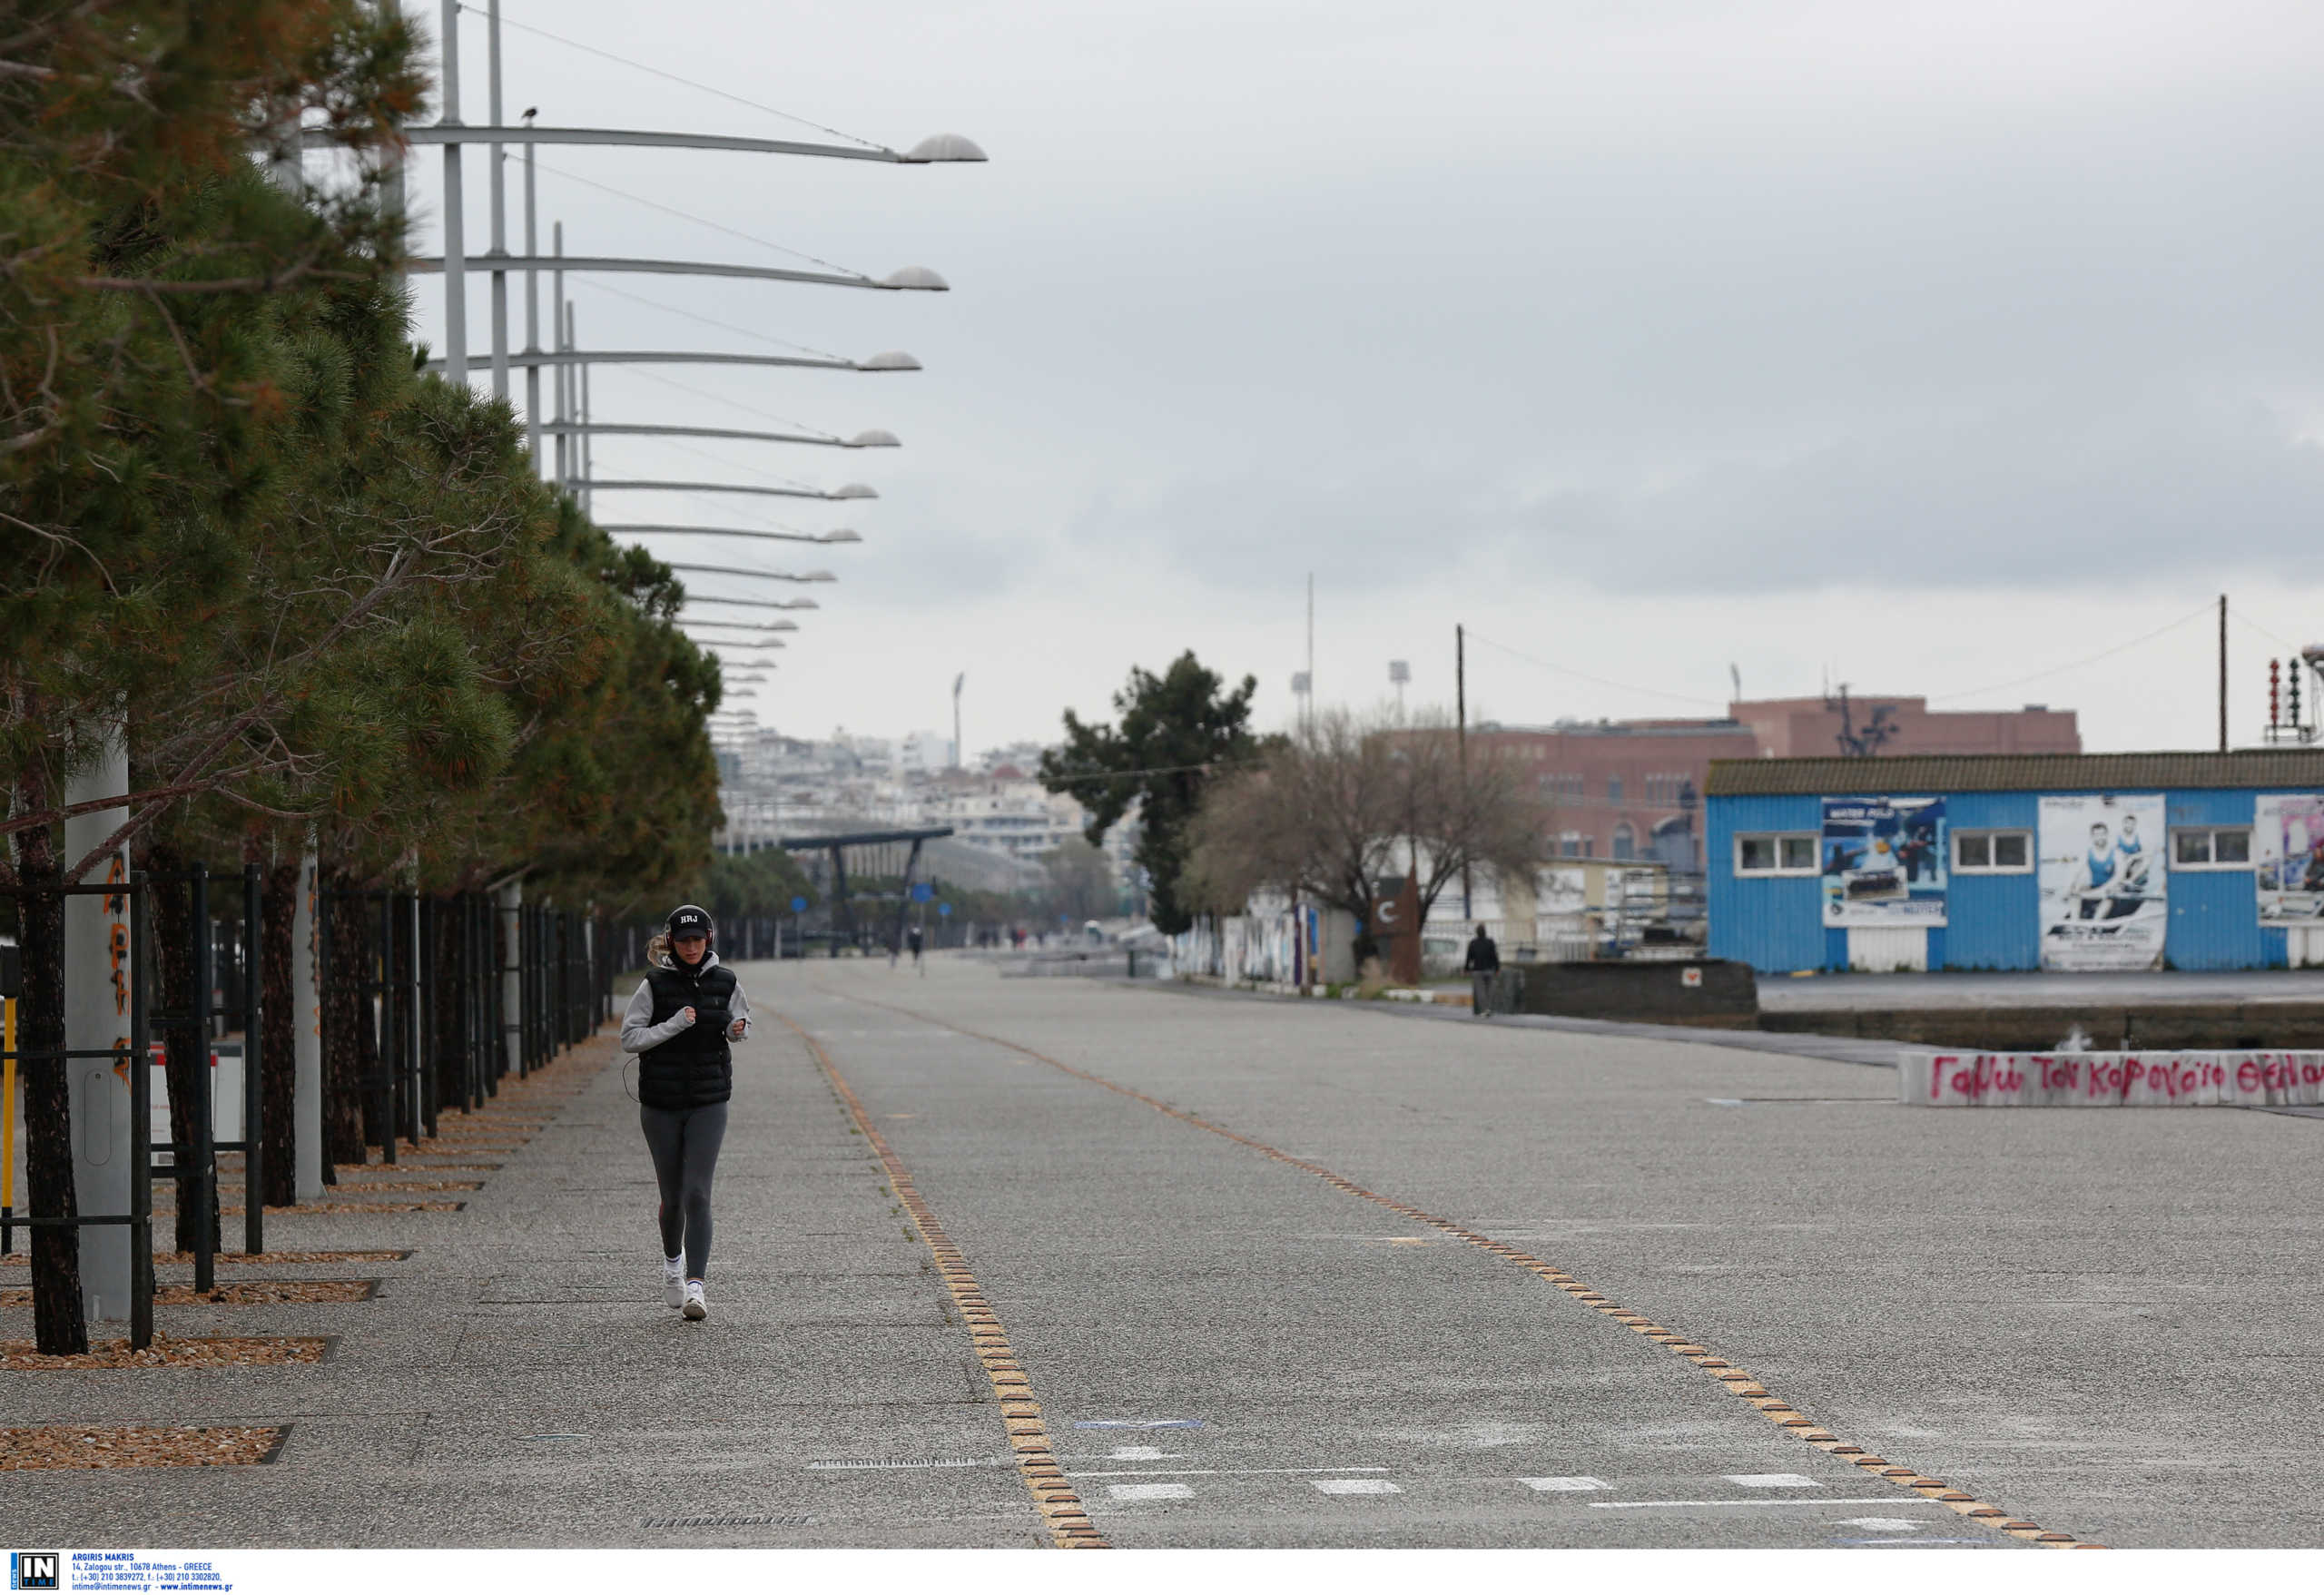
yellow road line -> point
(1739, 1383)
(1028, 1437)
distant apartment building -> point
(1631, 789)
(1018, 817)
(925, 753)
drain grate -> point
(724, 1519)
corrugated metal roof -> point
(2262, 768)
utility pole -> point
(1461, 733)
(1311, 651)
(564, 441)
(456, 248)
(532, 314)
(499, 189)
(2222, 673)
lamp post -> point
(453, 134)
(772, 575)
(577, 357)
(694, 598)
(875, 439)
(841, 536)
(829, 494)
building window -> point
(1570, 845)
(1993, 852)
(2211, 847)
(1778, 855)
(1625, 842)
(1613, 788)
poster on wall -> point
(2104, 881)
(2288, 857)
(1884, 862)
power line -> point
(2262, 630)
(2207, 607)
(1594, 679)
(764, 414)
(673, 77)
(706, 321)
(767, 244)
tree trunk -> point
(279, 1065)
(185, 1048)
(58, 1327)
(348, 1039)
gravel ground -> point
(82, 1446)
(223, 1351)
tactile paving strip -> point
(1060, 1507)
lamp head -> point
(918, 278)
(943, 146)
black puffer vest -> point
(694, 1068)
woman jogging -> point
(679, 1024)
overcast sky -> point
(1928, 348)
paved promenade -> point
(1278, 1275)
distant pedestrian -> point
(1484, 965)
(915, 938)
(895, 949)
(679, 1024)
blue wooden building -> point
(2018, 861)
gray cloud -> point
(1767, 296)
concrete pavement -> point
(2098, 1322)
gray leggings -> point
(685, 1145)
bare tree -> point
(1350, 802)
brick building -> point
(1630, 789)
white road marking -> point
(1137, 1454)
(1817, 1501)
(1916, 1540)
(1150, 1492)
(1359, 1487)
(1191, 1473)
(1771, 1481)
(1582, 1483)
(1882, 1525)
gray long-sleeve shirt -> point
(639, 1033)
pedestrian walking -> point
(680, 1024)
(916, 941)
(1484, 965)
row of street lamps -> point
(570, 426)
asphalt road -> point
(2102, 1323)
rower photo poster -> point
(2103, 881)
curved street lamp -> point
(890, 360)
(833, 494)
(841, 536)
(903, 280)
(877, 437)
(772, 575)
(693, 598)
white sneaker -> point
(673, 1281)
(697, 1307)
